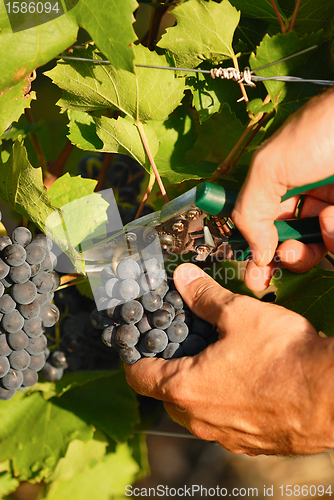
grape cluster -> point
(145, 316)
(27, 285)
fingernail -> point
(187, 273)
(328, 226)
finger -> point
(158, 378)
(298, 257)
(257, 278)
(326, 218)
(203, 294)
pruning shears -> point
(200, 221)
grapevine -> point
(149, 135)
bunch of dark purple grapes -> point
(143, 315)
(27, 285)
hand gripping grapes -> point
(259, 388)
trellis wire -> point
(247, 76)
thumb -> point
(326, 218)
(202, 294)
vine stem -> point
(58, 166)
(241, 85)
(294, 15)
(36, 143)
(146, 195)
(278, 15)
(151, 160)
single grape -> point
(19, 360)
(51, 373)
(128, 269)
(166, 306)
(177, 331)
(18, 340)
(113, 309)
(145, 324)
(5, 350)
(14, 255)
(161, 319)
(149, 282)
(129, 355)
(174, 298)
(4, 269)
(4, 366)
(50, 296)
(162, 288)
(30, 377)
(110, 287)
(141, 347)
(2, 289)
(127, 335)
(43, 282)
(24, 293)
(49, 314)
(56, 280)
(43, 241)
(12, 380)
(46, 353)
(193, 345)
(36, 345)
(7, 304)
(128, 289)
(152, 266)
(20, 274)
(34, 269)
(173, 350)
(132, 311)
(5, 394)
(22, 236)
(7, 282)
(12, 322)
(58, 359)
(108, 336)
(180, 315)
(4, 241)
(49, 263)
(151, 301)
(33, 327)
(37, 362)
(35, 253)
(202, 328)
(156, 340)
(31, 310)
(213, 338)
(106, 274)
(100, 320)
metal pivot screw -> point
(131, 236)
(202, 249)
(178, 226)
(193, 214)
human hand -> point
(300, 153)
(257, 389)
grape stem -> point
(278, 15)
(151, 160)
(146, 195)
(294, 15)
(58, 166)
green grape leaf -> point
(261, 9)
(13, 102)
(115, 415)
(256, 106)
(66, 189)
(146, 95)
(217, 136)
(204, 31)
(276, 47)
(312, 16)
(21, 186)
(8, 483)
(24, 51)
(49, 427)
(116, 136)
(309, 294)
(177, 136)
(109, 23)
(103, 479)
